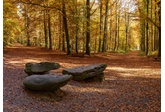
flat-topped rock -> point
(83, 72)
(46, 82)
(40, 68)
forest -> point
(82, 56)
(79, 26)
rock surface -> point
(46, 82)
(83, 72)
(40, 68)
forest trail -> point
(132, 83)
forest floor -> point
(132, 83)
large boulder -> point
(40, 68)
(46, 82)
(84, 72)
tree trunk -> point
(104, 47)
(156, 30)
(27, 31)
(101, 22)
(159, 50)
(63, 38)
(76, 45)
(27, 25)
(95, 45)
(126, 30)
(76, 39)
(45, 30)
(115, 45)
(159, 13)
(83, 30)
(77, 27)
(66, 29)
(118, 30)
(110, 28)
(147, 28)
(142, 43)
(49, 27)
(88, 27)
(152, 28)
(60, 31)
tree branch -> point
(36, 4)
(93, 12)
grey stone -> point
(83, 72)
(40, 68)
(46, 82)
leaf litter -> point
(132, 83)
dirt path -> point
(132, 83)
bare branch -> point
(36, 4)
(92, 4)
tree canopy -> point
(85, 26)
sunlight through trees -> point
(84, 26)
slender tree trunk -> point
(60, 31)
(28, 36)
(104, 47)
(159, 13)
(83, 30)
(77, 27)
(129, 37)
(66, 29)
(49, 27)
(147, 29)
(152, 28)
(76, 39)
(127, 30)
(88, 27)
(76, 45)
(45, 30)
(95, 45)
(63, 38)
(115, 45)
(27, 25)
(118, 30)
(101, 22)
(159, 50)
(155, 36)
(110, 28)
(142, 43)
(123, 44)
(155, 31)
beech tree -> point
(148, 21)
(104, 47)
(66, 28)
(11, 22)
(81, 27)
(88, 27)
(159, 13)
(101, 22)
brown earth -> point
(132, 83)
